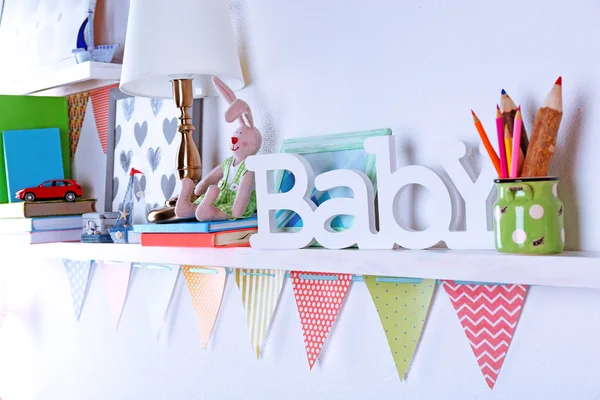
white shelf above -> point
(67, 80)
(569, 269)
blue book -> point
(197, 227)
(31, 157)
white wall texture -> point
(326, 66)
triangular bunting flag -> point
(77, 105)
(100, 105)
(489, 316)
(402, 309)
(206, 286)
(116, 279)
(260, 290)
(159, 282)
(78, 274)
(319, 300)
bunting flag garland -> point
(159, 282)
(116, 279)
(402, 309)
(206, 286)
(77, 105)
(100, 105)
(78, 274)
(319, 301)
(260, 289)
(489, 316)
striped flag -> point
(489, 316)
(100, 105)
(260, 289)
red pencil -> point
(501, 145)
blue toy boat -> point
(86, 51)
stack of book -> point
(233, 233)
(43, 221)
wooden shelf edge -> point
(68, 80)
(569, 269)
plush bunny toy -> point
(227, 192)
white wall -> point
(326, 66)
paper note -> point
(402, 309)
(100, 105)
(116, 280)
(206, 286)
(260, 290)
(319, 297)
(78, 275)
(77, 106)
(489, 316)
(159, 283)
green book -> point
(33, 112)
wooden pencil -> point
(509, 110)
(545, 131)
(516, 148)
(486, 143)
(501, 146)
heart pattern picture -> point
(115, 187)
(117, 135)
(125, 160)
(128, 107)
(167, 184)
(145, 138)
(139, 186)
(154, 158)
(140, 132)
(156, 105)
(169, 129)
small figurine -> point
(119, 231)
(95, 226)
(57, 189)
(227, 192)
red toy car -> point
(51, 190)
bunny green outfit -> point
(229, 187)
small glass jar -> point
(529, 216)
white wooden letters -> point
(316, 220)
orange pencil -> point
(486, 143)
(508, 145)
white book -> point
(12, 225)
(23, 238)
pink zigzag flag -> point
(489, 316)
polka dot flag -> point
(402, 309)
(206, 286)
(78, 274)
(318, 301)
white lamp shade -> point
(168, 39)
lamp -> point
(172, 50)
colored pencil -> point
(545, 131)
(509, 110)
(508, 144)
(486, 143)
(501, 146)
(516, 149)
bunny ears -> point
(238, 109)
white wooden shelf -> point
(67, 80)
(569, 269)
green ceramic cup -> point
(529, 216)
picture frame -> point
(326, 153)
(142, 134)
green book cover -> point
(33, 112)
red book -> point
(236, 238)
